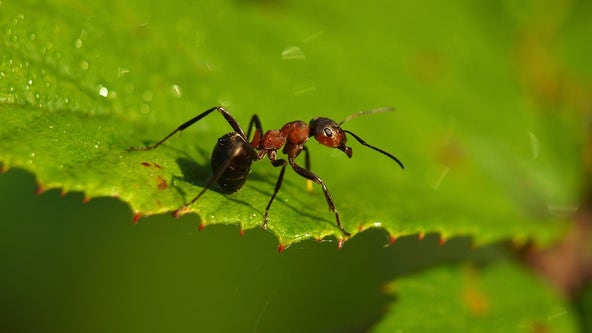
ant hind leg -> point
(235, 126)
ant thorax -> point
(294, 133)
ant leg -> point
(306, 157)
(307, 166)
(278, 184)
(311, 176)
(235, 126)
(257, 123)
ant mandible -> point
(233, 154)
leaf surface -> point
(488, 151)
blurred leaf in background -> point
(492, 107)
(465, 299)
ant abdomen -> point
(231, 155)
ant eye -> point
(328, 132)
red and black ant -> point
(233, 154)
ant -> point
(233, 154)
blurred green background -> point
(79, 267)
(493, 109)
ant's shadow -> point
(201, 175)
(193, 172)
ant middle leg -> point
(278, 185)
(306, 173)
(233, 123)
(307, 166)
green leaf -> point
(497, 298)
(488, 151)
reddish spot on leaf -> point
(85, 200)
(201, 226)
(161, 183)
(242, 232)
(476, 300)
(136, 218)
(153, 164)
(282, 247)
(442, 240)
(421, 235)
(538, 327)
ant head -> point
(328, 133)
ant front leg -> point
(278, 185)
(311, 176)
(257, 123)
(235, 126)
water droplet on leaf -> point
(293, 53)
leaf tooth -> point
(282, 247)
(443, 239)
(40, 189)
(392, 239)
(136, 217)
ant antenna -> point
(375, 148)
(360, 140)
(367, 112)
